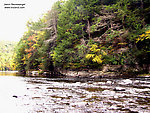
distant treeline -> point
(7, 55)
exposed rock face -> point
(108, 29)
(111, 68)
(111, 71)
(89, 74)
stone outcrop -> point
(90, 74)
(108, 71)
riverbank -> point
(113, 71)
(101, 74)
(107, 71)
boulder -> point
(83, 73)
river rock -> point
(83, 73)
(108, 93)
(79, 104)
(109, 74)
(113, 107)
(35, 73)
(119, 89)
(126, 82)
(32, 73)
(15, 96)
(105, 68)
(109, 82)
(136, 81)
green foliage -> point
(143, 48)
(95, 25)
(77, 34)
(20, 52)
(71, 22)
(130, 16)
(116, 59)
(28, 49)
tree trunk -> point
(142, 4)
(88, 29)
(55, 22)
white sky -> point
(13, 21)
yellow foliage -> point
(98, 50)
(88, 56)
(53, 55)
(97, 59)
(24, 41)
(104, 53)
(143, 36)
(94, 48)
(41, 32)
(24, 58)
(148, 32)
(96, 55)
(122, 43)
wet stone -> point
(119, 89)
(15, 96)
(126, 82)
(109, 82)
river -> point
(69, 95)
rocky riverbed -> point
(77, 95)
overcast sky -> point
(13, 20)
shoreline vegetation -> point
(95, 38)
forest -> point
(88, 34)
(7, 55)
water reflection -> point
(8, 73)
(65, 95)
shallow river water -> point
(69, 95)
